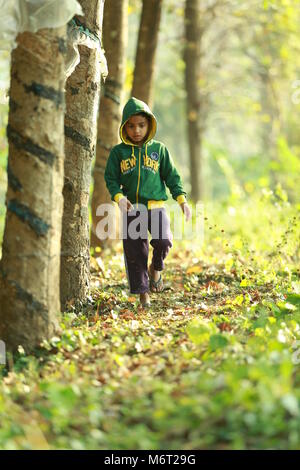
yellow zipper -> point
(137, 190)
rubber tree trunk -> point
(192, 56)
(143, 80)
(115, 38)
(29, 269)
(82, 99)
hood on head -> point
(135, 106)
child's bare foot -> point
(156, 282)
(145, 300)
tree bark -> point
(192, 56)
(115, 42)
(29, 269)
(82, 98)
(143, 80)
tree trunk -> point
(115, 43)
(142, 87)
(192, 56)
(29, 270)
(82, 93)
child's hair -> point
(145, 115)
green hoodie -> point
(141, 173)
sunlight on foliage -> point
(214, 363)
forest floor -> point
(214, 364)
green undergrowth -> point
(215, 363)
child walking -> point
(137, 173)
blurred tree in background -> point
(143, 77)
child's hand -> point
(186, 210)
(125, 205)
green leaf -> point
(293, 299)
(218, 342)
(199, 331)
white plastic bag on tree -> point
(18, 16)
(78, 35)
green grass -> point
(213, 365)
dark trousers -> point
(136, 224)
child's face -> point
(137, 128)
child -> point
(137, 172)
